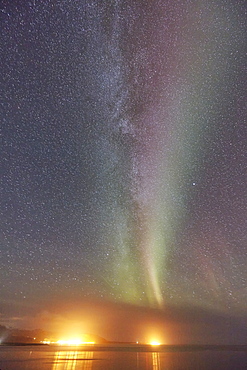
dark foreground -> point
(123, 357)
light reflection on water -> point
(83, 360)
(121, 357)
(156, 360)
(70, 359)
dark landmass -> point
(23, 344)
(12, 336)
(21, 336)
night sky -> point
(124, 167)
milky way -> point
(124, 153)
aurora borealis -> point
(123, 158)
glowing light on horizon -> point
(155, 343)
(68, 342)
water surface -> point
(123, 357)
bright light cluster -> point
(67, 342)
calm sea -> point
(123, 357)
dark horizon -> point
(126, 323)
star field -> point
(123, 150)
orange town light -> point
(72, 342)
